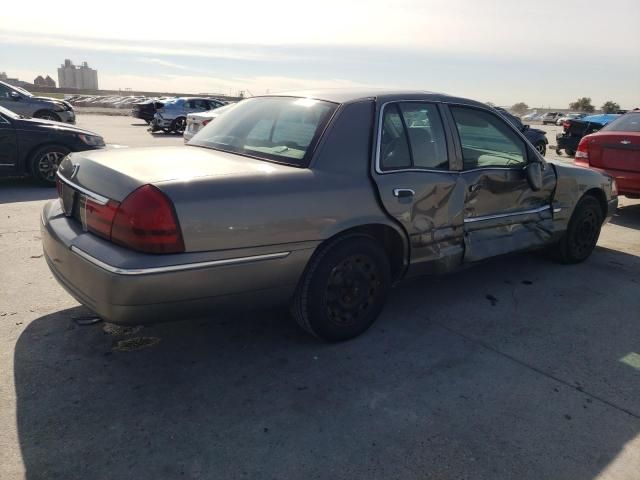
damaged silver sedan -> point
(321, 200)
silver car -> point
(321, 200)
(172, 116)
(24, 103)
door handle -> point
(403, 192)
(475, 187)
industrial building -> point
(81, 77)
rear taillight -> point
(566, 125)
(146, 221)
(206, 122)
(582, 153)
(96, 217)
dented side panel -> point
(503, 214)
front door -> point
(8, 146)
(417, 184)
(502, 213)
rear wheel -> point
(44, 163)
(582, 233)
(47, 115)
(571, 153)
(541, 147)
(344, 288)
(178, 125)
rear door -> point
(418, 184)
(502, 213)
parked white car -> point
(195, 121)
(570, 116)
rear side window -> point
(626, 123)
(413, 137)
(282, 129)
(487, 141)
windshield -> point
(280, 129)
(8, 113)
(627, 123)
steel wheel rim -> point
(586, 233)
(48, 165)
(352, 289)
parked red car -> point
(615, 150)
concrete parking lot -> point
(515, 368)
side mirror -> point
(15, 96)
(534, 175)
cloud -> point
(255, 85)
(163, 63)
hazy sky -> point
(543, 52)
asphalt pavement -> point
(517, 368)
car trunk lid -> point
(116, 173)
(615, 151)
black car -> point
(536, 136)
(146, 110)
(35, 147)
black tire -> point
(178, 125)
(582, 234)
(571, 153)
(44, 162)
(47, 115)
(541, 147)
(344, 288)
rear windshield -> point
(626, 123)
(279, 129)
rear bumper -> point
(628, 182)
(126, 287)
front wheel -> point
(541, 147)
(570, 152)
(44, 163)
(343, 289)
(582, 234)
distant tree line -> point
(582, 104)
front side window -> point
(5, 92)
(487, 141)
(282, 129)
(413, 137)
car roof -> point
(348, 95)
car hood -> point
(38, 124)
(57, 101)
(116, 173)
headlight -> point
(93, 140)
(59, 107)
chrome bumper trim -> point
(510, 214)
(92, 195)
(176, 268)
